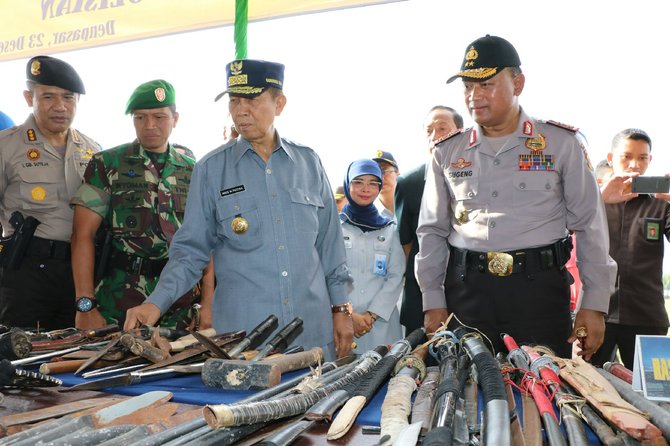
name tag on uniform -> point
(232, 190)
(379, 267)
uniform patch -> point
(527, 128)
(461, 164)
(449, 135)
(33, 154)
(536, 144)
(32, 136)
(473, 137)
(38, 193)
(232, 190)
(652, 229)
(131, 173)
(160, 94)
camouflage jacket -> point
(142, 208)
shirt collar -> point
(240, 146)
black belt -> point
(43, 248)
(512, 262)
(137, 265)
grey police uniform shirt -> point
(289, 262)
(37, 181)
(482, 201)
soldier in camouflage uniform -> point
(138, 193)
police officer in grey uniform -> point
(43, 162)
(500, 201)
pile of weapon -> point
(468, 399)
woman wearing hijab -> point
(374, 257)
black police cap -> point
(47, 70)
(486, 57)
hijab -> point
(367, 218)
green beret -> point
(47, 70)
(153, 94)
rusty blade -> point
(211, 346)
(45, 413)
(99, 355)
(195, 351)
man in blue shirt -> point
(262, 206)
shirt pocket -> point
(229, 208)
(132, 213)
(464, 184)
(305, 206)
(39, 187)
(533, 191)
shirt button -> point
(285, 301)
(237, 208)
(284, 273)
(494, 193)
(522, 185)
(471, 194)
(306, 198)
(362, 291)
(492, 224)
(274, 194)
(496, 162)
(268, 171)
(281, 247)
(547, 186)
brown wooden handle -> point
(189, 340)
(142, 348)
(296, 361)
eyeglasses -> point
(389, 171)
(360, 184)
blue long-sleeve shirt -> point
(290, 262)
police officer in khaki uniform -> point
(499, 203)
(42, 163)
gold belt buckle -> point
(500, 263)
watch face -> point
(85, 304)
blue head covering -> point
(5, 121)
(367, 218)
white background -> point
(362, 79)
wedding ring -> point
(581, 332)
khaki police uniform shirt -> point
(520, 197)
(37, 181)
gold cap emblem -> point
(236, 67)
(160, 94)
(35, 67)
(471, 56)
(239, 225)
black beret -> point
(250, 78)
(47, 70)
(486, 57)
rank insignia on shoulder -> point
(537, 143)
(563, 126)
(30, 133)
(449, 135)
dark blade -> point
(257, 335)
(97, 356)
(281, 339)
(112, 381)
(211, 346)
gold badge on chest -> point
(461, 214)
(239, 225)
(537, 143)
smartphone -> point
(650, 185)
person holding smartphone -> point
(637, 224)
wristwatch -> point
(342, 308)
(85, 304)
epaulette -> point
(563, 126)
(184, 151)
(451, 135)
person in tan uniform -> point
(42, 163)
(500, 201)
